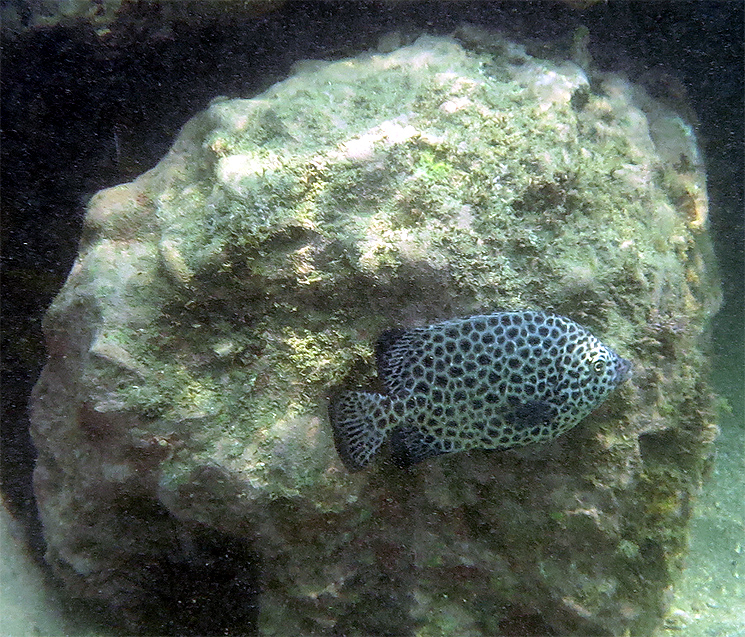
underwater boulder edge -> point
(217, 298)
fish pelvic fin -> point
(360, 422)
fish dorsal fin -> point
(394, 353)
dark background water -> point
(83, 111)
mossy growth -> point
(286, 232)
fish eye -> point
(599, 366)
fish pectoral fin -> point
(410, 445)
(360, 421)
(532, 413)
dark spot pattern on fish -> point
(484, 382)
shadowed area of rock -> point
(217, 299)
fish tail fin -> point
(360, 422)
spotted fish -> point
(484, 382)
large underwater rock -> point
(185, 456)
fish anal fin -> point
(409, 446)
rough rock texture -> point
(185, 456)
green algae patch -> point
(220, 299)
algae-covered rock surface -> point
(186, 461)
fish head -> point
(604, 370)
(624, 369)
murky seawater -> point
(709, 600)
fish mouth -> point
(624, 371)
